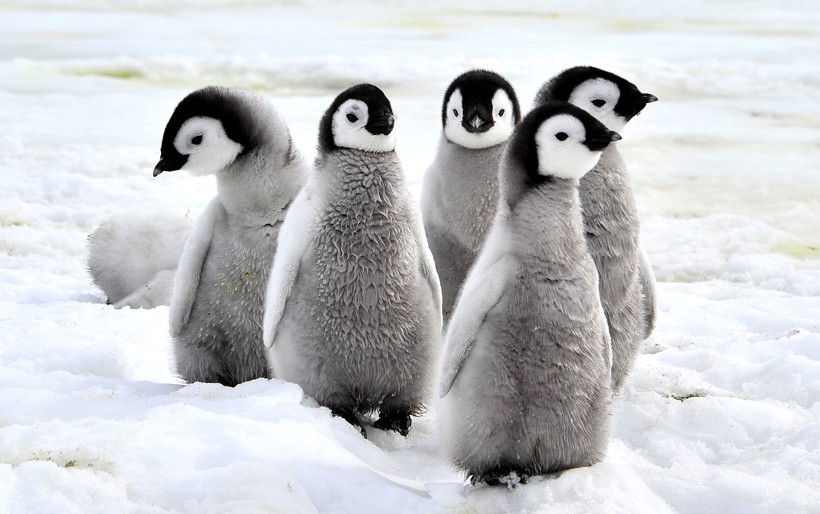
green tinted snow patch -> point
(113, 73)
(798, 250)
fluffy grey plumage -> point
(217, 307)
(458, 205)
(526, 376)
(460, 189)
(627, 284)
(353, 306)
(133, 258)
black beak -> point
(382, 125)
(477, 120)
(649, 98)
(601, 140)
(170, 164)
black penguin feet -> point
(398, 421)
(500, 476)
(351, 418)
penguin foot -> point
(505, 477)
(397, 421)
(351, 418)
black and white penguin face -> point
(611, 99)
(559, 140)
(480, 110)
(353, 128)
(202, 148)
(208, 130)
(566, 150)
(599, 97)
(360, 118)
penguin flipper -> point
(293, 240)
(606, 343)
(647, 280)
(427, 263)
(193, 257)
(482, 291)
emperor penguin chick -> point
(460, 189)
(133, 258)
(353, 312)
(526, 370)
(219, 288)
(627, 284)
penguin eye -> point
(352, 118)
(561, 136)
(598, 102)
(455, 113)
(197, 140)
(501, 112)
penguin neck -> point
(480, 163)
(608, 171)
(606, 194)
(362, 182)
(256, 187)
(361, 168)
(548, 219)
(469, 181)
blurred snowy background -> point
(721, 413)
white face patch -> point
(208, 147)
(561, 149)
(349, 130)
(599, 97)
(503, 116)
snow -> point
(721, 411)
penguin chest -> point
(366, 279)
(237, 270)
(543, 341)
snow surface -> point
(721, 412)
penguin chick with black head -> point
(219, 288)
(460, 189)
(353, 309)
(627, 283)
(526, 370)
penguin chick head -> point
(557, 140)
(361, 118)
(480, 110)
(212, 127)
(613, 100)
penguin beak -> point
(649, 98)
(477, 120)
(382, 125)
(601, 140)
(170, 164)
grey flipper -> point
(426, 262)
(294, 238)
(193, 256)
(650, 302)
(484, 286)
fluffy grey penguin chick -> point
(526, 370)
(460, 188)
(353, 312)
(133, 258)
(219, 289)
(609, 212)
